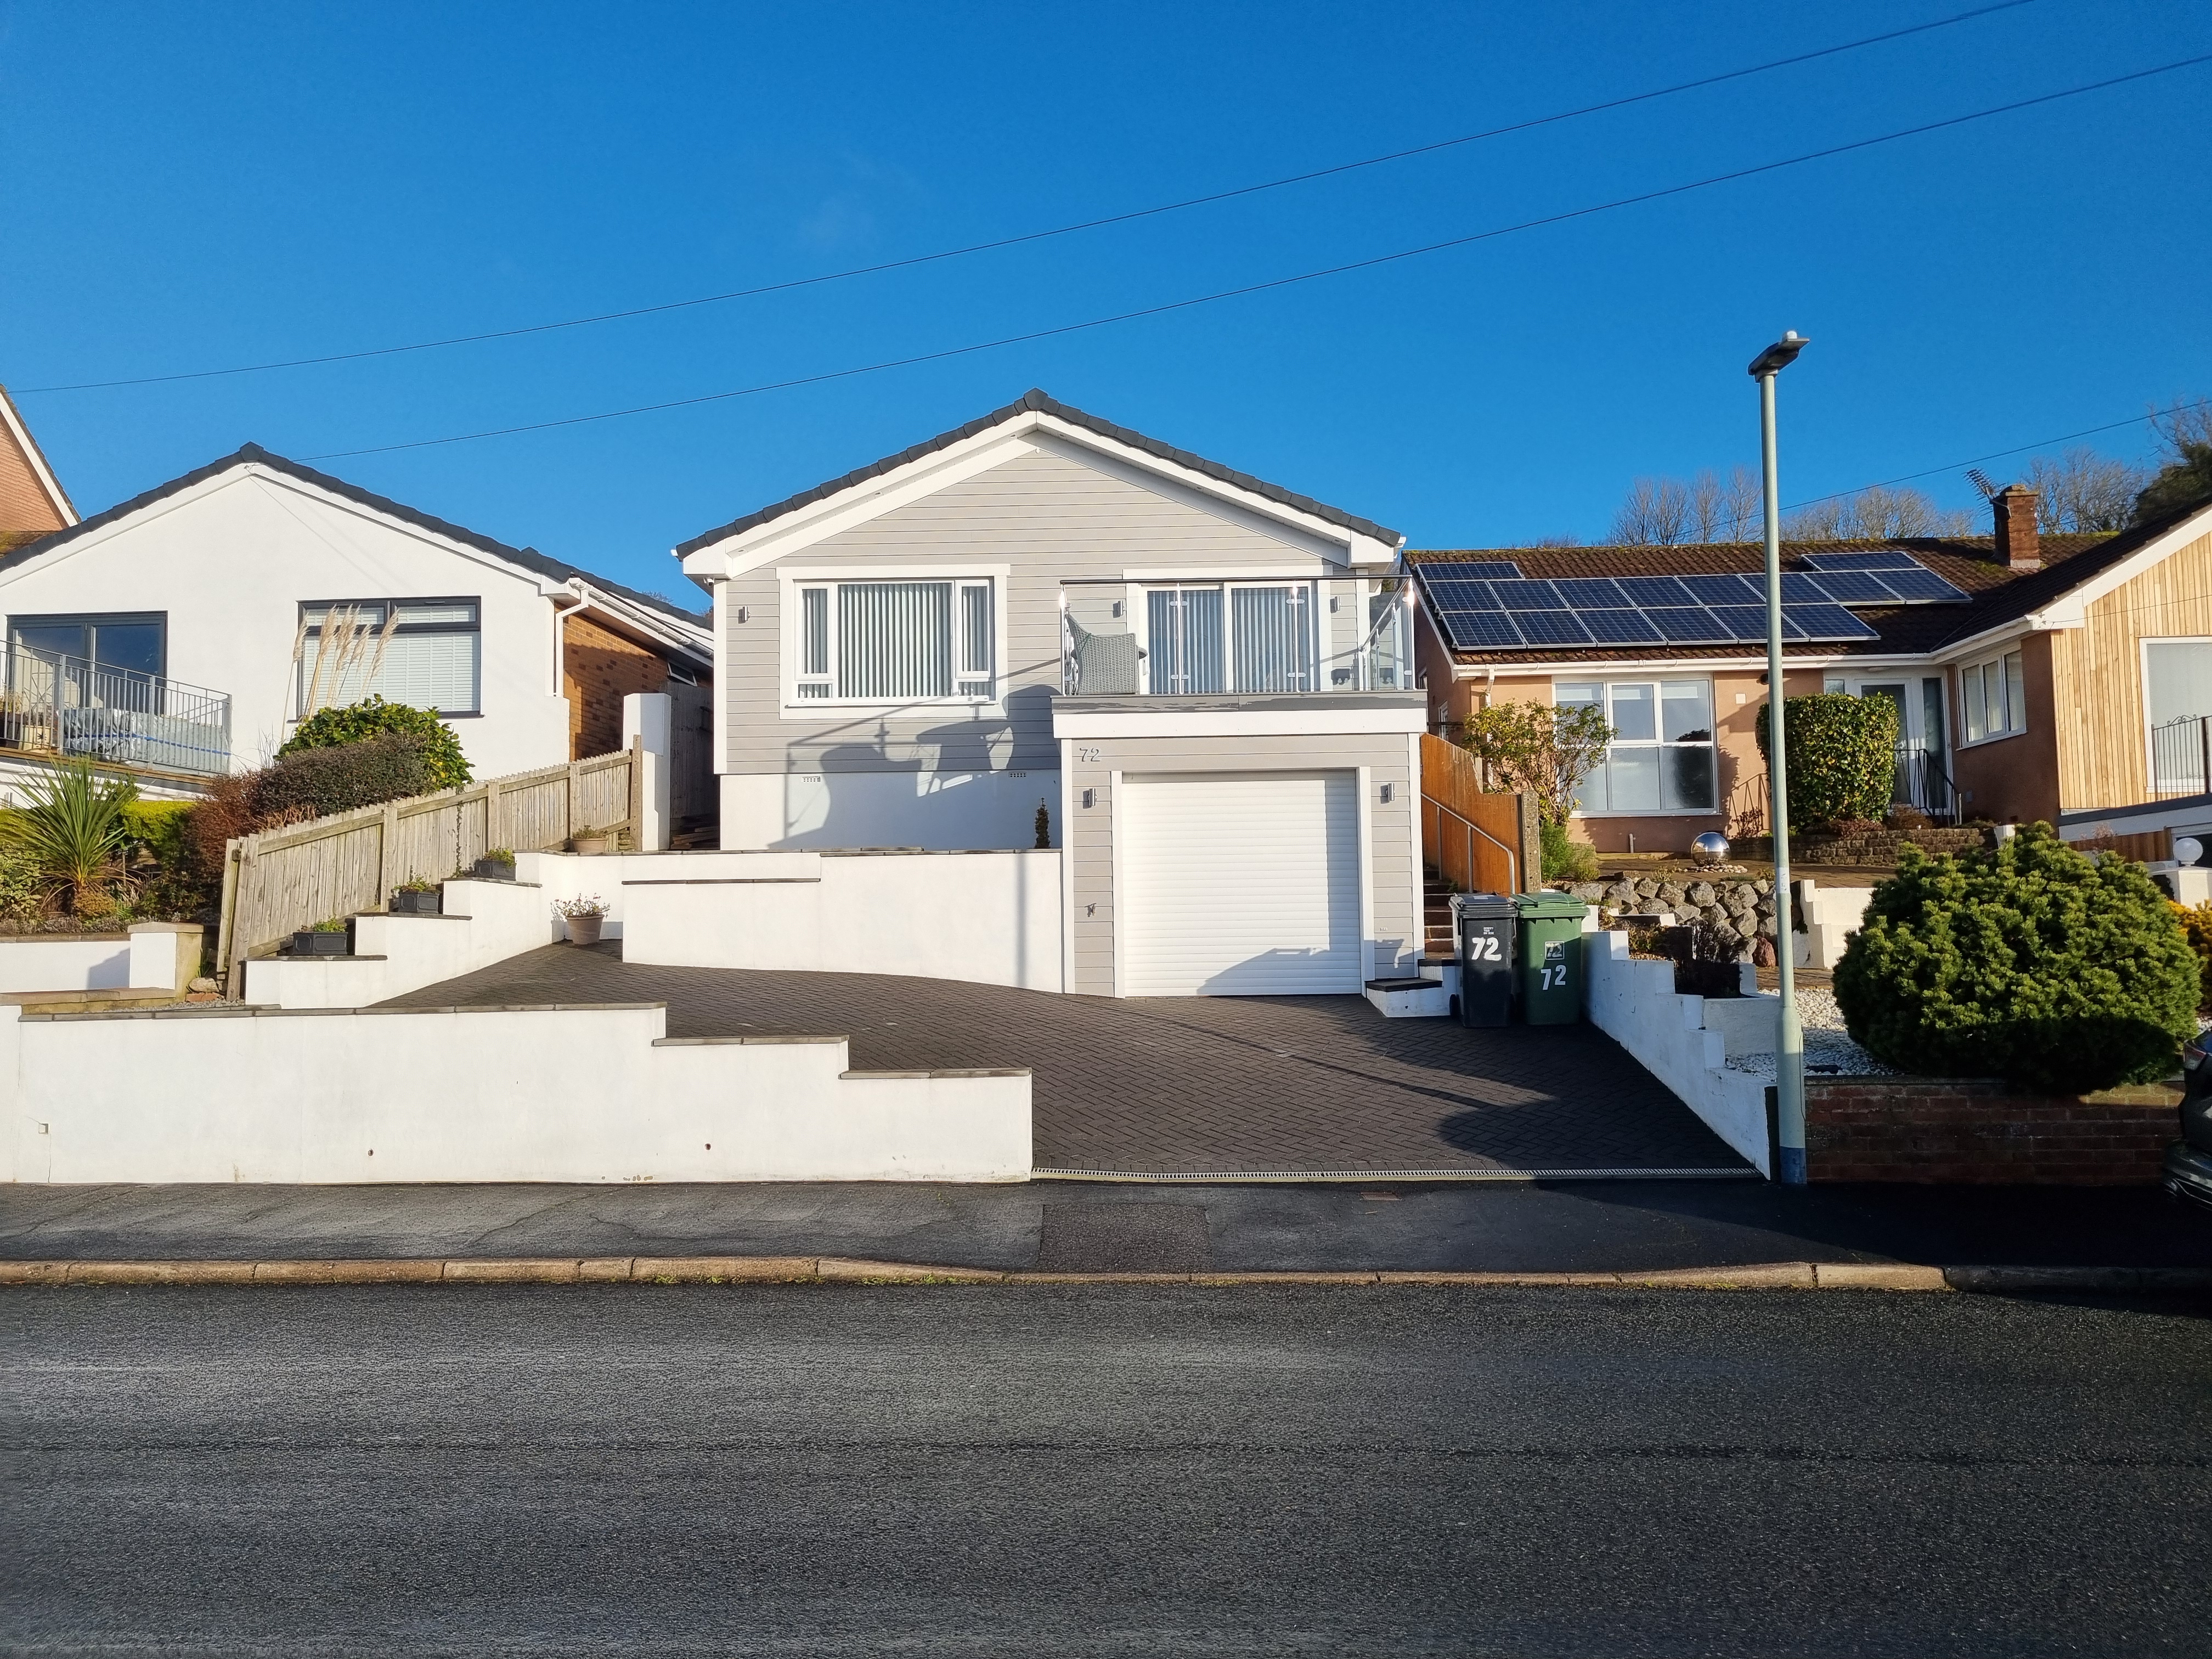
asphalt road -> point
(1080, 1470)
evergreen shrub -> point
(2026, 960)
(1843, 756)
(367, 773)
(373, 717)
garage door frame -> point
(1363, 853)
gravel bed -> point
(1829, 1050)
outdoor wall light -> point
(1389, 793)
(1090, 798)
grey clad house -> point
(1204, 680)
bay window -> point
(1662, 756)
(426, 654)
(1994, 695)
(895, 641)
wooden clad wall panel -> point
(2103, 726)
(1479, 840)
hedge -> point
(364, 774)
(373, 717)
(2027, 961)
(1843, 756)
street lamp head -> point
(1779, 356)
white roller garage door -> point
(1243, 885)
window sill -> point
(1983, 743)
(1648, 812)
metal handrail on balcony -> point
(2181, 756)
(1234, 635)
(58, 705)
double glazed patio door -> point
(1237, 636)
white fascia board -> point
(279, 485)
(1239, 723)
(1025, 433)
(664, 630)
(36, 462)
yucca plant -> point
(73, 829)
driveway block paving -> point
(1199, 1085)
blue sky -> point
(194, 187)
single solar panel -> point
(1861, 562)
(1462, 592)
(1853, 587)
(1590, 592)
(1826, 622)
(1528, 596)
(1617, 627)
(1920, 586)
(1477, 631)
(1503, 570)
(1654, 590)
(1746, 622)
(1552, 628)
(1689, 624)
(1798, 588)
(1723, 590)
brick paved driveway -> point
(1200, 1084)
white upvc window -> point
(894, 640)
(1661, 758)
(1228, 637)
(1993, 698)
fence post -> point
(569, 826)
(233, 985)
(491, 817)
(387, 853)
(1531, 845)
(2204, 749)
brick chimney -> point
(2018, 546)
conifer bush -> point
(2026, 960)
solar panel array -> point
(1482, 609)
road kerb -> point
(795, 1269)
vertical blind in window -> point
(894, 642)
(1274, 630)
(1183, 641)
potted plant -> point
(418, 898)
(592, 842)
(333, 938)
(496, 864)
(584, 916)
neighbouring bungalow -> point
(2060, 678)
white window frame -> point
(2143, 679)
(2011, 667)
(793, 580)
(1657, 683)
(1140, 622)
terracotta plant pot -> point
(585, 930)
(593, 845)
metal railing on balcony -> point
(2181, 756)
(57, 705)
(1235, 635)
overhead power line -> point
(1039, 235)
(1999, 454)
(1280, 282)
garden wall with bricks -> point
(1951, 1129)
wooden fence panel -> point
(1480, 841)
(285, 879)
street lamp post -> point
(1790, 1039)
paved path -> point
(1089, 1470)
(1598, 1226)
(1211, 1085)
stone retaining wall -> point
(1874, 849)
(1743, 906)
(1951, 1129)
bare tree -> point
(1875, 514)
(2082, 491)
(1655, 514)
(1747, 505)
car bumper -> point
(2188, 1172)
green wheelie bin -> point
(1550, 957)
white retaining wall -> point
(149, 959)
(993, 917)
(491, 921)
(1832, 915)
(230, 1094)
(1634, 1002)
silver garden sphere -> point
(1711, 848)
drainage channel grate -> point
(1230, 1176)
(1123, 1238)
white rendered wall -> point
(1634, 1003)
(990, 918)
(149, 958)
(488, 921)
(231, 560)
(22, 780)
(595, 1094)
(939, 812)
